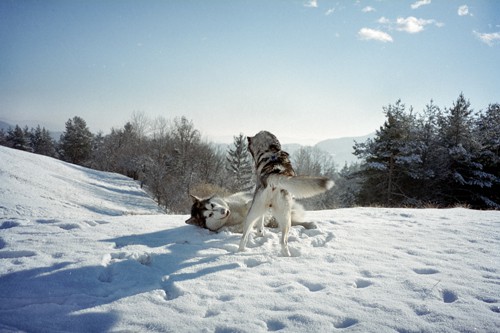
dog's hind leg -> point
(284, 241)
(284, 219)
(260, 226)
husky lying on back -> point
(214, 213)
(276, 186)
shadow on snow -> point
(64, 298)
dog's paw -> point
(285, 252)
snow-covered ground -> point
(85, 251)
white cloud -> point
(383, 20)
(412, 24)
(311, 4)
(330, 11)
(368, 9)
(420, 3)
(463, 10)
(409, 24)
(489, 39)
(371, 34)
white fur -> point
(236, 206)
(230, 213)
(276, 185)
(279, 202)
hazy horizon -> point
(229, 139)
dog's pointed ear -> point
(194, 198)
(191, 220)
(249, 139)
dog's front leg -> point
(249, 222)
(255, 212)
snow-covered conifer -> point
(239, 165)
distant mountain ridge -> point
(341, 148)
(5, 126)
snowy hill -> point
(39, 186)
(75, 256)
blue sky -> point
(305, 70)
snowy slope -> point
(68, 265)
(39, 186)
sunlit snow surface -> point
(85, 251)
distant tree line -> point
(438, 158)
(35, 140)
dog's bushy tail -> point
(305, 186)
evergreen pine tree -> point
(42, 142)
(390, 160)
(463, 175)
(17, 139)
(239, 165)
(3, 137)
(487, 130)
(427, 175)
(76, 141)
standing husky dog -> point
(214, 213)
(277, 184)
